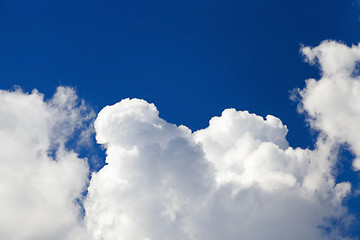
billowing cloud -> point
(333, 102)
(236, 179)
(40, 180)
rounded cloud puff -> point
(223, 182)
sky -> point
(144, 120)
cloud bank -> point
(236, 179)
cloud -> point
(333, 102)
(236, 179)
(154, 173)
(38, 190)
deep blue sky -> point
(191, 58)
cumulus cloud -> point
(155, 173)
(236, 179)
(39, 179)
(333, 102)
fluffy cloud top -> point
(236, 179)
(223, 182)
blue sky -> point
(192, 59)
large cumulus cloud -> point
(236, 179)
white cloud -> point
(155, 174)
(235, 179)
(333, 102)
(38, 193)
